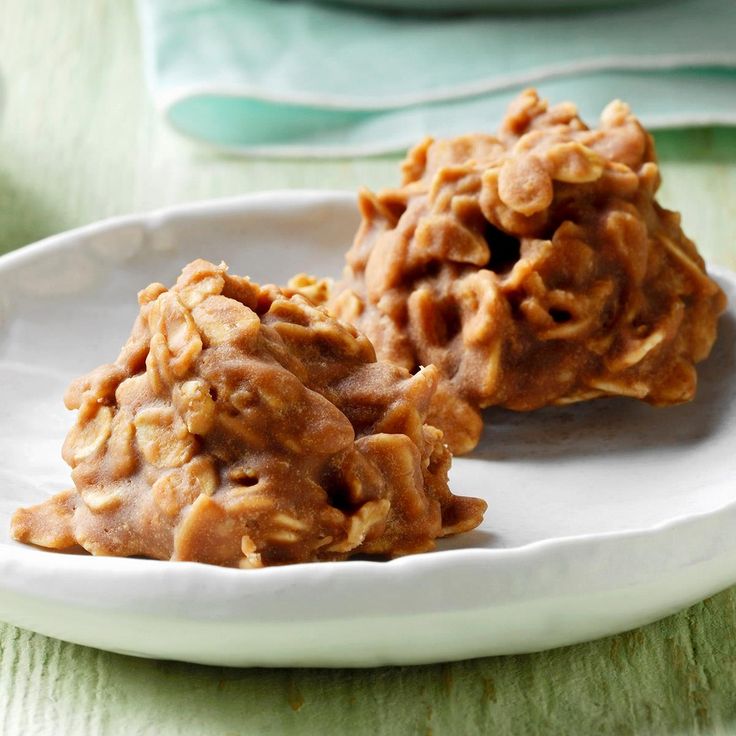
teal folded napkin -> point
(298, 78)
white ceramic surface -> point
(601, 516)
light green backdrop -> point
(79, 142)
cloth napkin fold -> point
(300, 79)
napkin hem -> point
(668, 121)
(661, 62)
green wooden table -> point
(79, 141)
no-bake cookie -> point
(533, 267)
(241, 426)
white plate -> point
(601, 517)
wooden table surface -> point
(79, 141)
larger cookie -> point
(239, 426)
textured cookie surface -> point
(241, 426)
(534, 267)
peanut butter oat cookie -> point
(240, 426)
(532, 268)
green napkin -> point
(297, 78)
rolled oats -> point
(532, 268)
(246, 427)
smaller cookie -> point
(532, 268)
